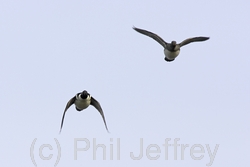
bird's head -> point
(174, 46)
(84, 94)
(173, 43)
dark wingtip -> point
(106, 127)
(206, 38)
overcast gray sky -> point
(193, 111)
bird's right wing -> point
(70, 102)
(152, 35)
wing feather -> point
(70, 102)
(97, 105)
(195, 39)
(152, 35)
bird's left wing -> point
(97, 105)
(195, 39)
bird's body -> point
(170, 56)
(82, 101)
(171, 50)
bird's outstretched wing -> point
(97, 105)
(70, 102)
(152, 35)
(195, 39)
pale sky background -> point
(51, 50)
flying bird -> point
(171, 50)
(82, 101)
